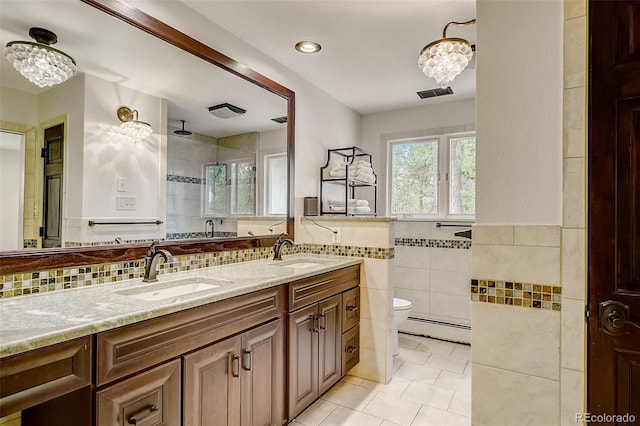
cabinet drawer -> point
(350, 349)
(310, 290)
(38, 376)
(350, 308)
(151, 398)
(129, 349)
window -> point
(275, 199)
(433, 176)
(230, 188)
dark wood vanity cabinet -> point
(239, 381)
(225, 363)
(317, 356)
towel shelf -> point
(350, 157)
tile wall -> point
(432, 269)
(362, 235)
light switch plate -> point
(126, 202)
(122, 184)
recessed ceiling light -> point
(308, 46)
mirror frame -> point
(19, 261)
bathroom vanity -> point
(250, 343)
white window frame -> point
(444, 165)
(267, 183)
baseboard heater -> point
(445, 324)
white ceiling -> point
(369, 50)
(368, 59)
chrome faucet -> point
(277, 247)
(151, 262)
(206, 228)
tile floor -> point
(431, 386)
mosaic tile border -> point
(185, 179)
(425, 242)
(15, 285)
(30, 243)
(526, 295)
(108, 243)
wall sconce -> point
(136, 130)
(445, 58)
(38, 62)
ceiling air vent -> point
(435, 92)
(280, 120)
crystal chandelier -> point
(40, 63)
(444, 59)
(136, 130)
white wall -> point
(519, 112)
(18, 107)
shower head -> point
(182, 132)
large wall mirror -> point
(214, 174)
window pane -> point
(276, 184)
(216, 179)
(462, 176)
(243, 187)
(414, 178)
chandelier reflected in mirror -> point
(445, 58)
(37, 61)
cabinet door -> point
(151, 398)
(212, 385)
(330, 345)
(262, 378)
(303, 359)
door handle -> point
(614, 318)
(235, 364)
(248, 356)
(143, 415)
(313, 320)
(323, 325)
(352, 308)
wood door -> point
(614, 210)
(262, 378)
(212, 385)
(303, 359)
(151, 398)
(53, 180)
(330, 345)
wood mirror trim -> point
(18, 261)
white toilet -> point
(401, 309)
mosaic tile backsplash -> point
(425, 242)
(527, 295)
(13, 285)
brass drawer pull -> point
(323, 325)
(143, 415)
(248, 356)
(351, 349)
(235, 365)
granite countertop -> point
(39, 320)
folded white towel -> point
(352, 203)
(336, 208)
(360, 209)
(363, 163)
(355, 166)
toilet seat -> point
(401, 304)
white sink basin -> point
(298, 263)
(170, 289)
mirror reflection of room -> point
(192, 173)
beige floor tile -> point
(448, 364)
(431, 395)
(343, 416)
(429, 416)
(316, 413)
(395, 387)
(412, 355)
(467, 371)
(348, 395)
(462, 353)
(408, 341)
(419, 372)
(353, 380)
(388, 423)
(394, 409)
(436, 347)
(454, 381)
(461, 404)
